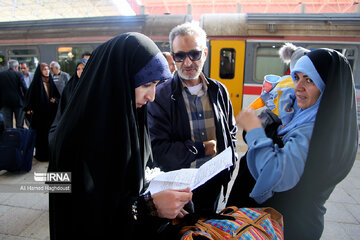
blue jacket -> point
(277, 169)
(170, 129)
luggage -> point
(16, 149)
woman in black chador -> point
(102, 139)
(70, 86)
(40, 106)
(296, 168)
(68, 91)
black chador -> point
(332, 152)
(42, 100)
(102, 139)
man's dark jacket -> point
(12, 89)
(170, 129)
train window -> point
(349, 53)
(267, 61)
(227, 63)
(29, 55)
(22, 52)
(68, 56)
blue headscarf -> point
(306, 66)
(156, 69)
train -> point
(243, 48)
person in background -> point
(70, 86)
(102, 138)
(12, 92)
(170, 61)
(28, 76)
(2, 125)
(191, 119)
(295, 169)
(60, 78)
(40, 106)
(86, 55)
(290, 54)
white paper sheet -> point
(192, 177)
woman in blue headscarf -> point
(296, 170)
(102, 138)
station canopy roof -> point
(20, 10)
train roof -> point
(327, 25)
(247, 25)
(100, 26)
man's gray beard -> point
(187, 78)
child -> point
(278, 92)
(278, 95)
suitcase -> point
(16, 149)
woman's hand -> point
(52, 100)
(29, 112)
(248, 120)
(182, 213)
(170, 203)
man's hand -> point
(210, 148)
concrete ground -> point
(26, 216)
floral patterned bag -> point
(247, 223)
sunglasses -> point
(193, 55)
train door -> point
(227, 66)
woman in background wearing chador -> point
(72, 83)
(296, 171)
(68, 91)
(41, 104)
(102, 138)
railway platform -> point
(25, 216)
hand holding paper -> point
(192, 177)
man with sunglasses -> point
(191, 119)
